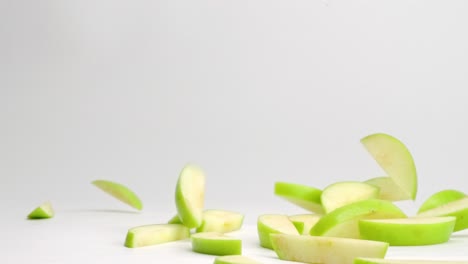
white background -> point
(254, 91)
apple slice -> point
(327, 250)
(457, 208)
(120, 192)
(215, 243)
(303, 196)
(190, 196)
(220, 221)
(405, 261)
(304, 222)
(43, 211)
(441, 198)
(395, 159)
(175, 220)
(388, 189)
(148, 235)
(408, 231)
(271, 223)
(343, 222)
(234, 259)
(339, 194)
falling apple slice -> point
(120, 192)
(304, 222)
(408, 231)
(457, 208)
(271, 223)
(43, 211)
(234, 259)
(303, 196)
(326, 250)
(339, 194)
(405, 261)
(190, 196)
(389, 190)
(215, 243)
(441, 198)
(220, 221)
(395, 159)
(155, 234)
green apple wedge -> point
(339, 194)
(326, 250)
(396, 160)
(234, 259)
(389, 190)
(405, 261)
(120, 192)
(415, 231)
(343, 222)
(43, 211)
(148, 235)
(273, 223)
(190, 195)
(441, 198)
(304, 222)
(220, 221)
(306, 197)
(457, 208)
(214, 243)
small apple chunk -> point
(343, 222)
(119, 191)
(326, 250)
(395, 159)
(441, 198)
(220, 221)
(175, 220)
(214, 243)
(303, 196)
(339, 194)
(190, 196)
(405, 261)
(457, 208)
(148, 235)
(271, 223)
(304, 222)
(43, 211)
(234, 259)
(389, 190)
(416, 231)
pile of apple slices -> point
(355, 222)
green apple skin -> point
(395, 159)
(149, 235)
(190, 196)
(43, 211)
(441, 198)
(404, 261)
(303, 196)
(119, 191)
(343, 222)
(304, 222)
(234, 259)
(327, 250)
(339, 194)
(214, 243)
(408, 231)
(271, 223)
(175, 220)
(457, 208)
(389, 190)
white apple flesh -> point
(220, 221)
(235, 259)
(389, 190)
(441, 198)
(339, 194)
(405, 261)
(148, 235)
(271, 223)
(457, 208)
(304, 222)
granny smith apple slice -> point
(190, 196)
(408, 231)
(339, 194)
(441, 198)
(234, 259)
(148, 235)
(303, 196)
(327, 250)
(272, 223)
(175, 220)
(43, 211)
(395, 159)
(220, 221)
(304, 222)
(389, 190)
(120, 192)
(405, 261)
(343, 222)
(457, 208)
(215, 243)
